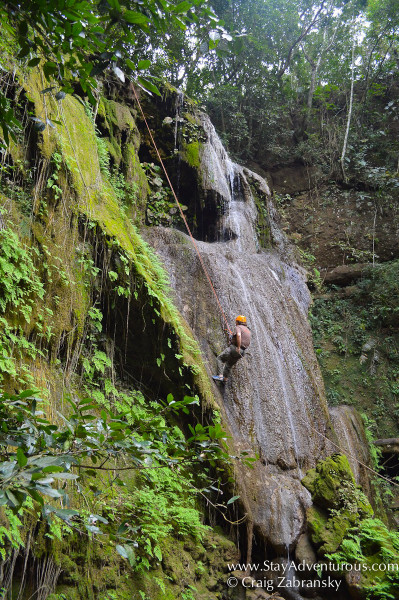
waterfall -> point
(274, 400)
(177, 136)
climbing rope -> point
(181, 211)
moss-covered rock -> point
(339, 503)
(192, 154)
(325, 482)
(341, 528)
(326, 532)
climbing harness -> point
(181, 211)
(216, 296)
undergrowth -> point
(356, 341)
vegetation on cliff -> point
(344, 530)
(100, 451)
(111, 447)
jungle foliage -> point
(75, 41)
(357, 344)
(42, 459)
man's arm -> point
(238, 338)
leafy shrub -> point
(376, 548)
(20, 284)
(380, 290)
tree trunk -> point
(348, 121)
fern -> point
(10, 536)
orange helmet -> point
(241, 319)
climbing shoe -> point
(219, 378)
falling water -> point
(179, 106)
(177, 146)
(274, 397)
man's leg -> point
(233, 356)
(221, 360)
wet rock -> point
(353, 580)
(344, 274)
(212, 584)
(352, 441)
(278, 505)
(260, 595)
(371, 343)
(304, 551)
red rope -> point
(181, 212)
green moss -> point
(309, 480)
(187, 564)
(376, 548)
(192, 154)
(135, 176)
(117, 118)
(263, 230)
(326, 483)
(359, 360)
(317, 522)
(327, 532)
(339, 503)
(191, 118)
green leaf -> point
(143, 64)
(233, 499)
(48, 491)
(28, 393)
(182, 7)
(35, 495)
(147, 85)
(34, 62)
(12, 500)
(121, 550)
(114, 4)
(127, 552)
(129, 63)
(93, 528)
(123, 529)
(131, 16)
(53, 469)
(99, 518)
(21, 458)
(66, 513)
(65, 476)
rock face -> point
(344, 274)
(352, 441)
(274, 404)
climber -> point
(240, 341)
